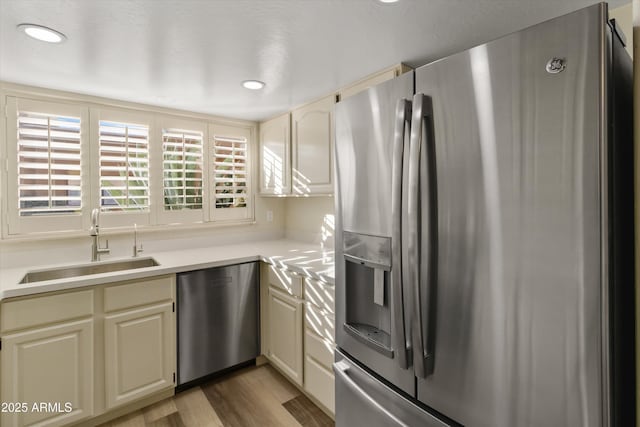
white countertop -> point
(304, 258)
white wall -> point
(310, 219)
(303, 219)
(78, 249)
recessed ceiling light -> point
(42, 33)
(253, 84)
(388, 1)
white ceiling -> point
(193, 54)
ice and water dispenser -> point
(367, 287)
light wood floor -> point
(251, 397)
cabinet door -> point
(275, 156)
(140, 353)
(285, 334)
(49, 367)
(312, 155)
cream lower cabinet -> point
(139, 356)
(50, 372)
(47, 360)
(285, 333)
(298, 330)
(140, 348)
(78, 354)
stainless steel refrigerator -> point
(484, 245)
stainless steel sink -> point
(86, 269)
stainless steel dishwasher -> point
(218, 320)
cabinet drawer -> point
(319, 382)
(140, 292)
(320, 321)
(285, 280)
(322, 294)
(37, 311)
(320, 349)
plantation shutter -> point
(230, 172)
(230, 195)
(48, 156)
(182, 169)
(124, 166)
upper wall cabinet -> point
(296, 151)
(275, 156)
(312, 148)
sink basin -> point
(86, 269)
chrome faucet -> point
(136, 249)
(94, 232)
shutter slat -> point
(49, 154)
(232, 156)
(231, 196)
(27, 176)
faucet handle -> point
(105, 249)
(136, 249)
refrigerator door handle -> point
(341, 368)
(403, 117)
(422, 147)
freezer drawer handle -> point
(341, 369)
(400, 152)
(422, 238)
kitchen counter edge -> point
(306, 259)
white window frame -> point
(91, 110)
(245, 214)
(184, 216)
(17, 224)
(128, 218)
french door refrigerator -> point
(484, 244)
